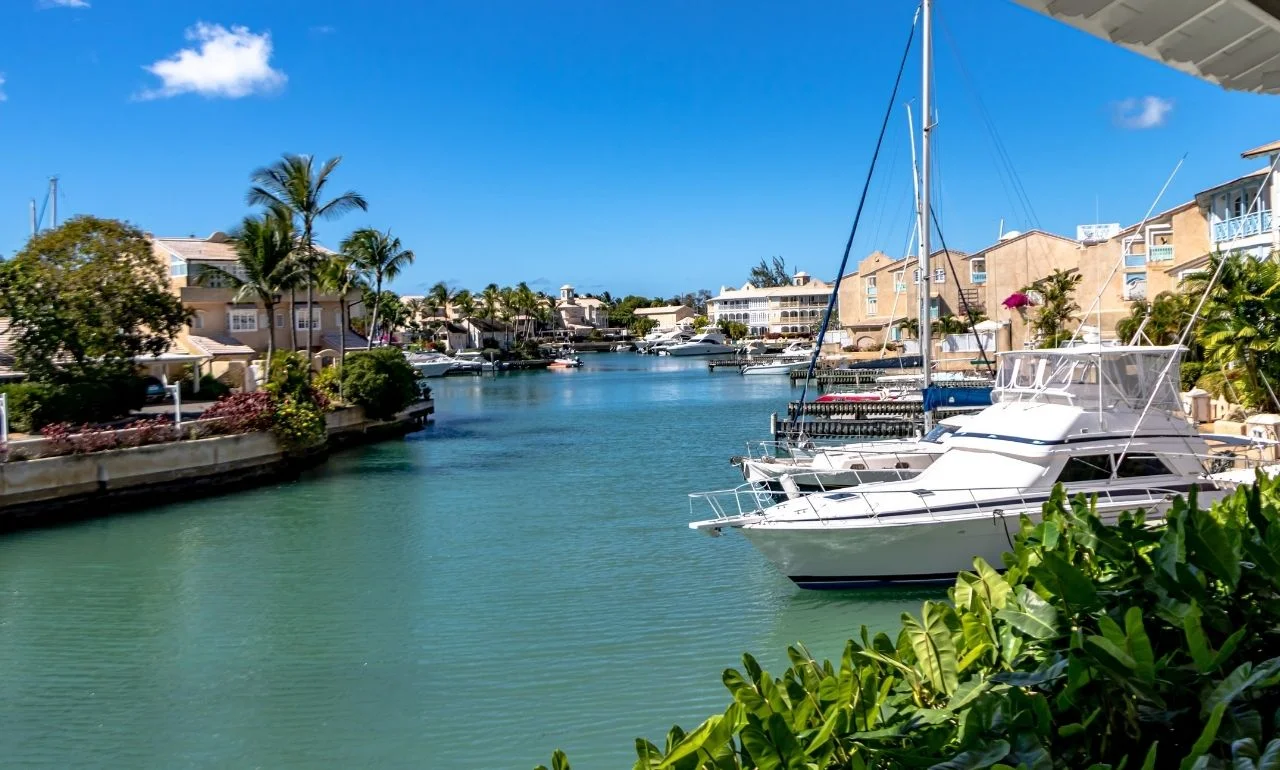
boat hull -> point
(697, 350)
(434, 369)
(841, 558)
(762, 369)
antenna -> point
(33, 217)
(1000, 235)
(53, 198)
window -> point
(1133, 466)
(177, 266)
(300, 318)
(871, 306)
(197, 320)
(915, 276)
(279, 320)
(1086, 468)
(871, 284)
(978, 270)
(900, 281)
(940, 275)
(242, 320)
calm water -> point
(516, 578)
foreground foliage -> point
(1100, 647)
(380, 380)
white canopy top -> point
(1234, 43)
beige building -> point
(795, 309)
(879, 299)
(232, 333)
(580, 314)
(667, 316)
(1011, 264)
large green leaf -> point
(1066, 581)
(761, 749)
(1150, 762)
(1030, 753)
(1270, 759)
(1205, 741)
(935, 647)
(1110, 655)
(1245, 675)
(975, 759)
(711, 734)
(1213, 549)
(991, 585)
(1031, 615)
(1244, 754)
(1139, 646)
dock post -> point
(773, 425)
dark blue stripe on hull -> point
(847, 582)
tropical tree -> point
(1057, 306)
(1160, 319)
(765, 275)
(415, 311)
(1240, 330)
(341, 275)
(464, 304)
(734, 330)
(490, 301)
(380, 255)
(910, 326)
(294, 184)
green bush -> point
(1100, 647)
(298, 424)
(380, 380)
(289, 375)
(211, 389)
(1191, 371)
(33, 405)
(327, 381)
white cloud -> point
(323, 29)
(230, 63)
(3, 95)
(1147, 112)
(64, 4)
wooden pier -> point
(825, 378)
(721, 363)
(866, 419)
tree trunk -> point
(271, 338)
(373, 321)
(293, 318)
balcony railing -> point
(1162, 253)
(899, 287)
(978, 277)
(871, 290)
(1242, 227)
(1135, 260)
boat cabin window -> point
(1141, 465)
(1086, 468)
(938, 433)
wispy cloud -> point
(229, 64)
(323, 29)
(1139, 114)
(3, 96)
(47, 4)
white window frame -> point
(872, 307)
(939, 275)
(197, 320)
(871, 284)
(983, 271)
(279, 319)
(915, 276)
(239, 320)
(300, 318)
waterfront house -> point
(667, 317)
(233, 333)
(792, 310)
(481, 330)
(580, 315)
(454, 336)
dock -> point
(733, 363)
(866, 419)
(825, 378)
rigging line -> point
(884, 193)
(968, 311)
(1195, 314)
(1002, 152)
(857, 217)
(1097, 299)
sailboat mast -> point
(926, 129)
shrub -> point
(298, 424)
(211, 389)
(380, 380)
(33, 405)
(28, 405)
(1191, 371)
(241, 412)
(328, 380)
(1100, 647)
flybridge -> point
(1092, 376)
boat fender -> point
(789, 486)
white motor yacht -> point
(850, 465)
(706, 343)
(794, 356)
(656, 341)
(431, 364)
(1104, 421)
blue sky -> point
(641, 147)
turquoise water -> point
(514, 579)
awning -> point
(1234, 43)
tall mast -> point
(33, 217)
(53, 197)
(926, 128)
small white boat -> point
(430, 364)
(567, 358)
(706, 343)
(773, 367)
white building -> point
(793, 309)
(580, 314)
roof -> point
(663, 310)
(485, 325)
(453, 328)
(353, 340)
(1233, 43)
(221, 345)
(1020, 236)
(218, 247)
(1250, 175)
(1154, 218)
(1266, 149)
(813, 287)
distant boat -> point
(566, 359)
(704, 344)
(431, 364)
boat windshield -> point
(938, 433)
(959, 468)
(1128, 377)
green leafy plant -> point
(1125, 646)
(380, 380)
(298, 424)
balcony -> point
(1162, 253)
(1135, 260)
(978, 277)
(1242, 227)
(871, 290)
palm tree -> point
(765, 275)
(464, 305)
(293, 183)
(382, 257)
(911, 326)
(1241, 328)
(414, 310)
(264, 246)
(490, 301)
(341, 275)
(440, 296)
(1160, 319)
(1058, 306)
